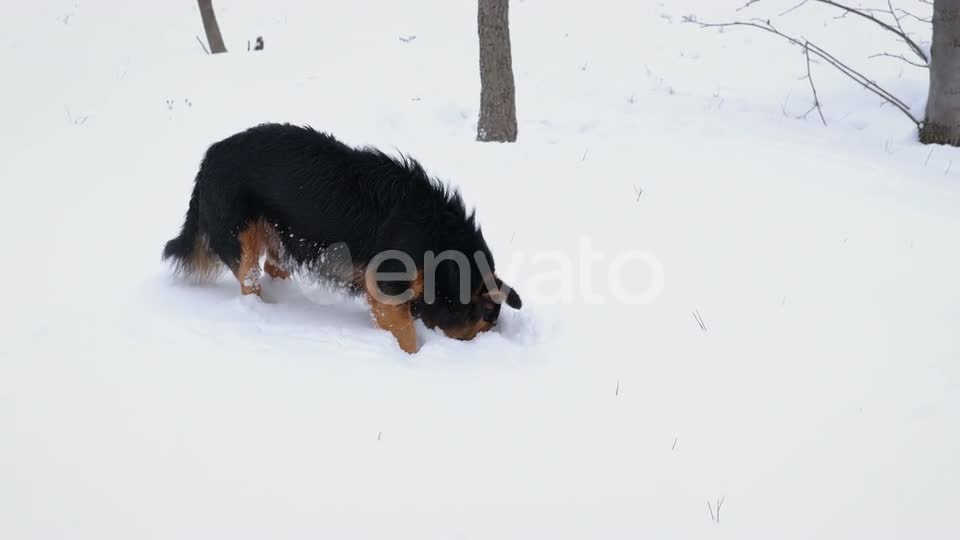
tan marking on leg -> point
(417, 285)
(413, 291)
(393, 317)
(251, 247)
(272, 265)
(397, 320)
(275, 271)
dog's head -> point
(461, 319)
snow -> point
(821, 400)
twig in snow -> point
(379, 435)
(699, 319)
(202, 44)
(79, 121)
(720, 100)
(617, 392)
(584, 156)
(928, 157)
(715, 516)
(783, 106)
(638, 191)
(674, 447)
(408, 39)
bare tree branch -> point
(905, 13)
(898, 30)
(748, 4)
(816, 98)
(864, 81)
(900, 57)
(867, 13)
(794, 8)
(851, 73)
(895, 18)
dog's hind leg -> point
(273, 269)
(272, 265)
(251, 247)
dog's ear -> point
(505, 293)
(513, 299)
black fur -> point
(317, 192)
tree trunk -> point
(942, 124)
(498, 108)
(211, 27)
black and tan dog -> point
(378, 224)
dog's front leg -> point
(248, 268)
(396, 319)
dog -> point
(376, 224)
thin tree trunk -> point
(211, 27)
(498, 108)
(942, 124)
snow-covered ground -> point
(822, 400)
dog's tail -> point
(190, 252)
